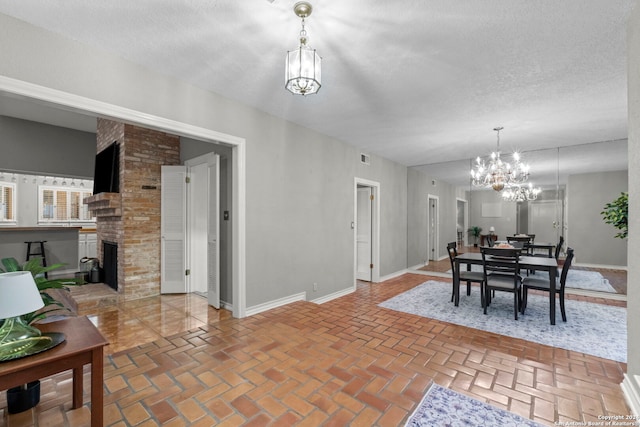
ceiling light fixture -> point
(303, 65)
(498, 174)
(521, 194)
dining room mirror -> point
(574, 182)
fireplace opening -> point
(110, 264)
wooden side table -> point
(84, 344)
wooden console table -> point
(84, 344)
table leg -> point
(97, 393)
(552, 295)
(77, 388)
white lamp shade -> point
(18, 294)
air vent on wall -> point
(364, 159)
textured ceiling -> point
(415, 81)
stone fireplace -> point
(130, 219)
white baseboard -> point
(608, 267)
(393, 275)
(250, 311)
(630, 389)
(334, 295)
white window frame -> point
(84, 213)
(14, 203)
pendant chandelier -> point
(498, 174)
(303, 65)
(521, 194)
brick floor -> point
(346, 362)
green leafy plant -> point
(616, 213)
(44, 284)
(475, 232)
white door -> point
(364, 234)
(173, 230)
(433, 228)
(203, 229)
(198, 228)
(543, 220)
(213, 234)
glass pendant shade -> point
(303, 70)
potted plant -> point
(475, 232)
(616, 212)
(28, 395)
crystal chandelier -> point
(519, 193)
(303, 65)
(499, 174)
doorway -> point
(190, 228)
(366, 227)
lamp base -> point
(19, 399)
(16, 337)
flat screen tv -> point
(106, 176)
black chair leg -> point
(468, 288)
(564, 315)
(523, 306)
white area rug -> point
(576, 279)
(595, 329)
(443, 407)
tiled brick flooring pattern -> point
(346, 362)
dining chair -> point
(501, 271)
(491, 240)
(543, 284)
(559, 247)
(464, 276)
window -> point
(61, 204)
(7, 202)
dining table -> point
(526, 262)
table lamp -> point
(18, 295)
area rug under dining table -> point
(596, 329)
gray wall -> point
(592, 239)
(420, 186)
(299, 184)
(633, 291)
(504, 225)
(42, 149)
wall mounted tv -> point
(106, 176)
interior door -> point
(203, 230)
(198, 228)
(364, 233)
(213, 233)
(173, 230)
(433, 228)
(543, 220)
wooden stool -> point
(38, 250)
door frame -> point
(436, 255)
(375, 228)
(80, 104)
(465, 218)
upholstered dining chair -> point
(501, 271)
(465, 276)
(543, 284)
